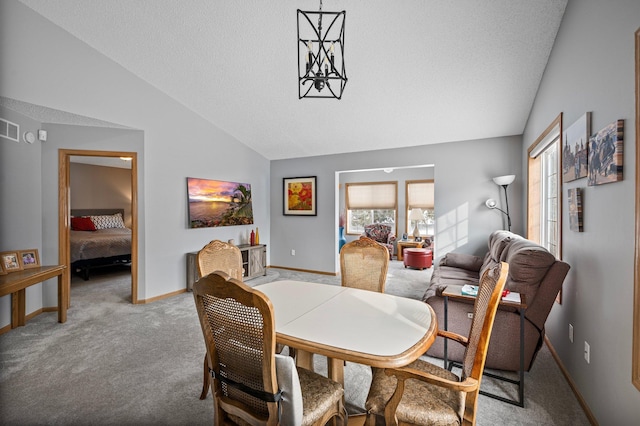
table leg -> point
(521, 384)
(335, 369)
(446, 319)
(304, 359)
(63, 297)
(18, 300)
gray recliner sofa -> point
(533, 271)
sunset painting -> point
(218, 203)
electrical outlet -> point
(570, 333)
(293, 252)
(587, 352)
(470, 315)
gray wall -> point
(463, 181)
(21, 223)
(591, 68)
(47, 66)
(99, 187)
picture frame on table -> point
(11, 261)
(30, 258)
(300, 196)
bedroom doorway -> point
(64, 207)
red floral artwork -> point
(300, 196)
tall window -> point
(544, 196)
(420, 195)
(372, 202)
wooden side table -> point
(455, 292)
(15, 283)
(407, 244)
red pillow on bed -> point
(82, 224)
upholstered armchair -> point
(381, 233)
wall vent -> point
(9, 130)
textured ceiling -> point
(49, 115)
(420, 71)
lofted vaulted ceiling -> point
(420, 71)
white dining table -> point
(348, 324)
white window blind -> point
(545, 142)
(372, 196)
(420, 195)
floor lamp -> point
(504, 182)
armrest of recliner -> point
(463, 261)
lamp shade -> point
(491, 203)
(416, 214)
(504, 180)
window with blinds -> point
(370, 202)
(420, 195)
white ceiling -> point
(420, 71)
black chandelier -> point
(321, 55)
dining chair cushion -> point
(291, 405)
(306, 396)
(445, 406)
(319, 393)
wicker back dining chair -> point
(424, 394)
(364, 264)
(218, 256)
(252, 384)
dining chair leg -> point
(205, 379)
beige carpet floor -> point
(114, 363)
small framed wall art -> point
(606, 154)
(11, 261)
(29, 258)
(300, 195)
(575, 209)
(574, 151)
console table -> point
(254, 263)
(15, 283)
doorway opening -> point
(64, 208)
(395, 212)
